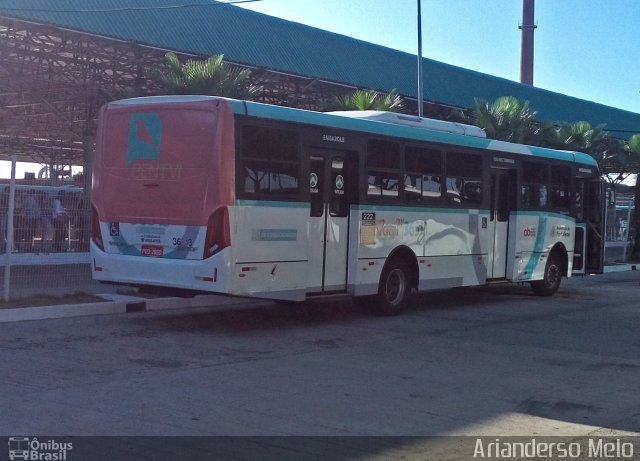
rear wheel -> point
(394, 289)
(552, 277)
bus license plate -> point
(152, 251)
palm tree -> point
(543, 135)
(581, 136)
(506, 119)
(211, 77)
(368, 100)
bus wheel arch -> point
(556, 267)
(399, 276)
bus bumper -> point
(208, 275)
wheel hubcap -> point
(395, 287)
(553, 274)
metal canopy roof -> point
(59, 61)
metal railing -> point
(44, 239)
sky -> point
(583, 48)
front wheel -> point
(552, 278)
(394, 289)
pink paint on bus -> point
(163, 162)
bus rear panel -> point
(161, 189)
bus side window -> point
(561, 187)
(533, 192)
(383, 169)
(579, 201)
(270, 163)
(464, 179)
(423, 173)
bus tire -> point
(552, 277)
(394, 288)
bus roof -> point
(440, 132)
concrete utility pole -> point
(526, 51)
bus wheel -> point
(552, 277)
(394, 289)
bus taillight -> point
(218, 235)
(96, 236)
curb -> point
(61, 310)
(115, 304)
(619, 268)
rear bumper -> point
(202, 275)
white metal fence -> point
(44, 239)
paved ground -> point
(469, 361)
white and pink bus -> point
(207, 194)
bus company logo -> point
(530, 232)
(339, 184)
(145, 133)
(32, 449)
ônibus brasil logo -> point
(30, 448)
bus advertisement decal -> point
(368, 228)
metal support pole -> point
(419, 58)
(526, 48)
(10, 241)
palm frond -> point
(211, 76)
(367, 100)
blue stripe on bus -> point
(271, 203)
(399, 208)
(411, 209)
(543, 213)
(538, 247)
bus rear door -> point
(588, 256)
(503, 185)
(330, 186)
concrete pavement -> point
(492, 361)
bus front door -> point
(502, 198)
(329, 189)
(588, 256)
